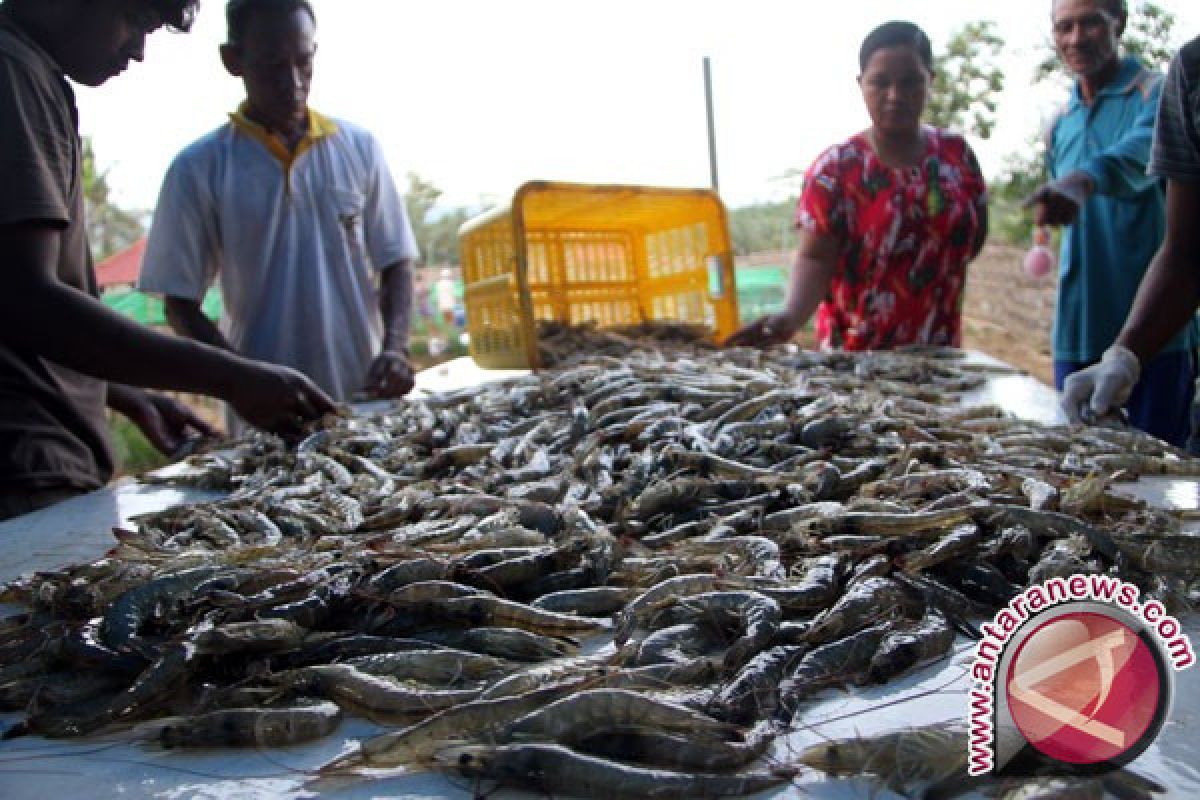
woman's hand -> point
(767, 331)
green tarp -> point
(760, 290)
(762, 277)
(148, 309)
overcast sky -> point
(478, 96)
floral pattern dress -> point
(906, 236)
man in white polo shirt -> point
(296, 215)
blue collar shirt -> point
(1106, 251)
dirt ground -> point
(1007, 314)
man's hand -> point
(1059, 202)
(1101, 388)
(166, 423)
(278, 399)
(766, 331)
(391, 375)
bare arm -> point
(1059, 202)
(391, 374)
(816, 260)
(395, 304)
(40, 314)
(186, 318)
(981, 235)
(65, 325)
(1170, 291)
(166, 423)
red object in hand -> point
(1039, 261)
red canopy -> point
(122, 269)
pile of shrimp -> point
(625, 576)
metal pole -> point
(712, 131)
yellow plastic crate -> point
(613, 255)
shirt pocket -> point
(347, 206)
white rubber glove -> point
(1103, 387)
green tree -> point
(437, 233)
(1023, 172)
(966, 80)
(110, 228)
(763, 226)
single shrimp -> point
(246, 727)
(558, 770)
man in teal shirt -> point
(1114, 212)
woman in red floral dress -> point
(888, 220)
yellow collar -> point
(319, 127)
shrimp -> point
(933, 483)
(816, 589)
(555, 770)
(488, 610)
(672, 495)
(828, 665)
(511, 536)
(862, 604)
(758, 618)
(414, 746)
(676, 644)
(923, 523)
(664, 593)
(759, 553)
(962, 539)
(406, 572)
(589, 712)
(900, 760)
(1174, 554)
(427, 591)
(755, 688)
(147, 692)
(125, 616)
(351, 688)
(678, 751)
(56, 689)
(260, 636)
(247, 727)
(910, 647)
(552, 672)
(592, 601)
(442, 667)
(1049, 524)
(513, 644)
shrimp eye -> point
(465, 759)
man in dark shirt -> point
(63, 355)
(1170, 292)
